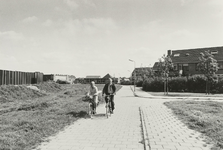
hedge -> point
(126, 83)
(195, 84)
(139, 83)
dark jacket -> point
(105, 89)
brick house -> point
(185, 61)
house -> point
(185, 61)
(55, 77)
(156, 67)
(96, 79)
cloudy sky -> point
(96, 37)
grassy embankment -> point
(205, 117)
(27, 116)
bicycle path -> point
(121, 131)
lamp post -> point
(134, 72)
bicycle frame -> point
(108, 106)
(90, 108)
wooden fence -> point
(17, 77)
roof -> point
(142, 68)
(107, 76)
(155, 66)
(92, 77)
(72, 76)
(192, 55)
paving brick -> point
(163, 127)
(123, 129)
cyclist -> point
(109, 90)
(93, 94)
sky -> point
(96, 37)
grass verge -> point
(205, 117)
(184, 94)
(26, 121)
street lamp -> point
(134, 73)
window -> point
(176, 55)
(196, 67)
(175, 67)
(220, 65)
(214, 52)
(180, 66)
(186, 68)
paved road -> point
(124, 129)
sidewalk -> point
(165, 131)
(140, 93)
(122, 131)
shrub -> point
(62, 82)
(217, 87)
(178, 84)
(126, 83)
(139, 83)
(196, 84)
(153, 84)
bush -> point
(139, 83)
(197, 84)
(217, 87)
(178, 84)
(62, 82)
(153, 84)
(126, 83)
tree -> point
(208, 66)
(164, 67)
(145, 73)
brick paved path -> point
(120, 132)
(165, 131)
(123, 131)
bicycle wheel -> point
(90, 112)
(107, 110)
(110, 108)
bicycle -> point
(108, 106)
(90, 107)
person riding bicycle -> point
(93, 94)
(109, 90)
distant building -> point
(124, 79)
(55, 77)
(92, 77)
(96, 79)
